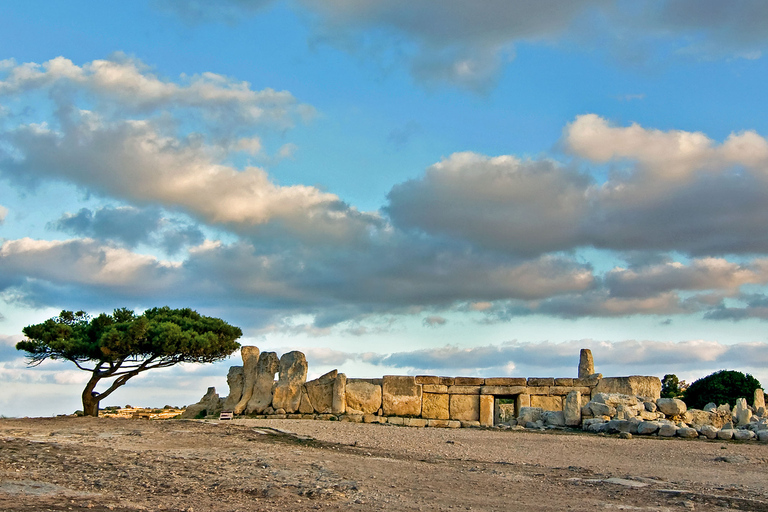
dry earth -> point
(246, 465)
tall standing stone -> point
(250, 360)
(261, 396)
(572, 409)
(320, 392)
(235, 383)
(586, 363)
(339, 403)
(759, 400)
(293, 376)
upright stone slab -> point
(634, 385)
(742, 412)
(572, 409)
(435, 406)
(464, 407)
(586, 363)
(293, 375)
(261, 396)
(401, 396)
(759, 400)
(339, 405)
(235, 383)
(363, 396)
(486, 410)
(250, 357)
(547, 403)
(320, 392)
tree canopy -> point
(123, 344)
(723, 387)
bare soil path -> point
(278, 465)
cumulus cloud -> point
(3, 213)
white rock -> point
(743, 435)
(667, 430)
(687, 432)
(647, 427)
(742, 412)
(572, 408)
(725, 434)
(671, 406)
(709, 431)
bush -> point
(723, 387)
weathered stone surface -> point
(438, 423)
(614, 399)
(743, 435)
(671, 406)
(427, 379)
(502, 390)
(759, 399)
(486, 410)
(725, 434)
(762, 436)
(435, 406)
(539, 390)
(522, 400)
(541, 381)
(590, 381)
(293, 375)
(564, 390)
(363, 396)
(567, 382)
(667, 430)
(572, 409)
(505, 381)
(635, 385)
(650, 406)
(586, 363)
(742, 412)
(645, 428)
(710, 407)
(434, 388)
(447, 381)
(687, 432)
(401, 396)
(596, 427)
(209, 405)
(529, 414)
(699, 417)
(339, 404)
(305, 406)
(548, 403)
(553, 418)
(464, 407)
(468, 381)
(250, 357)
(415, 422)
(263, 385)
(464, 390)
(601, 409)
(615, 426)
(235, 382)
(709, 431)
(320, 392)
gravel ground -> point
(113, 464)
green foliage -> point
(723, 387)
(123, 344)
(672, 387)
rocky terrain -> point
(183, 465)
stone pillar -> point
(486, 410)
(236, 383)
(339, 400)
(522, 400)
(586, 363)
(759, 400)
(250, 357)
(572, 409)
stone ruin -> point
(624, 405)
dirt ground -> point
(278, 465)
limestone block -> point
(438, 423)
(553, 418)
(614, 399)
(522, 400)
(434, 388)
(502, 390)
(293, 375)
(667, 430)
(699, 417)
(415, 422)
(352, 418)
(616, 426)
(505, 381)
(635, 385)
(320, 392)
(687, 432)
(743, 435)
(468, 424)
(468, 381)
(548, 403)
(590, 381)
(586, 363)
(559, 381)
(339, 403)
(601, 409)
(447, 381)
(401, 396)
(305, 406)
(759, 399)
(671, 406)
(372, 418)
(709, 431)
(427, 379)
(209, 404)
(645, 428)
(464, 390)
(235, 382)
(435, 406)
(250, 357)
(395, 420)
(725, 434)
(486, 410)
(464, 407)
(263, 385)
(742, 412)
(541, 381)
(564, 390)
(363, 396)
(529, 415)
(539, 390)
(572, 409)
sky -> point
(435, 187)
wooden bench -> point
(227, 415)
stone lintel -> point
(464, 390)
(564, 390)
(502, 390)
(505, 381)
(540, 390)
(468, 381)
(541, 381)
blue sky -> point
(393, 187)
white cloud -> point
(3, 213)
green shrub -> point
(723, 387)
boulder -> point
(741, 412)
(650, 406)
(366, 397)
(648, 427)
(586, 363)
(552, 418)
(667, 430)
(339, 394)
(762, 435)
(743, 435)
(725, 434)
(250, 357)
(572, 409)
(709, 431)
(529, 414)
(235, 383)
(261, 394)
(671, 406)
(435, 406)
(464, 407)
(614, 399)
(601, 409)
(401, 396)
(615, 426)
(293, 376)
(320, 392)
(710, 407)
(635, 385)
(687, 432)
(209, 405)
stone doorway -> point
(504, 408)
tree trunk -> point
(90, 398)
